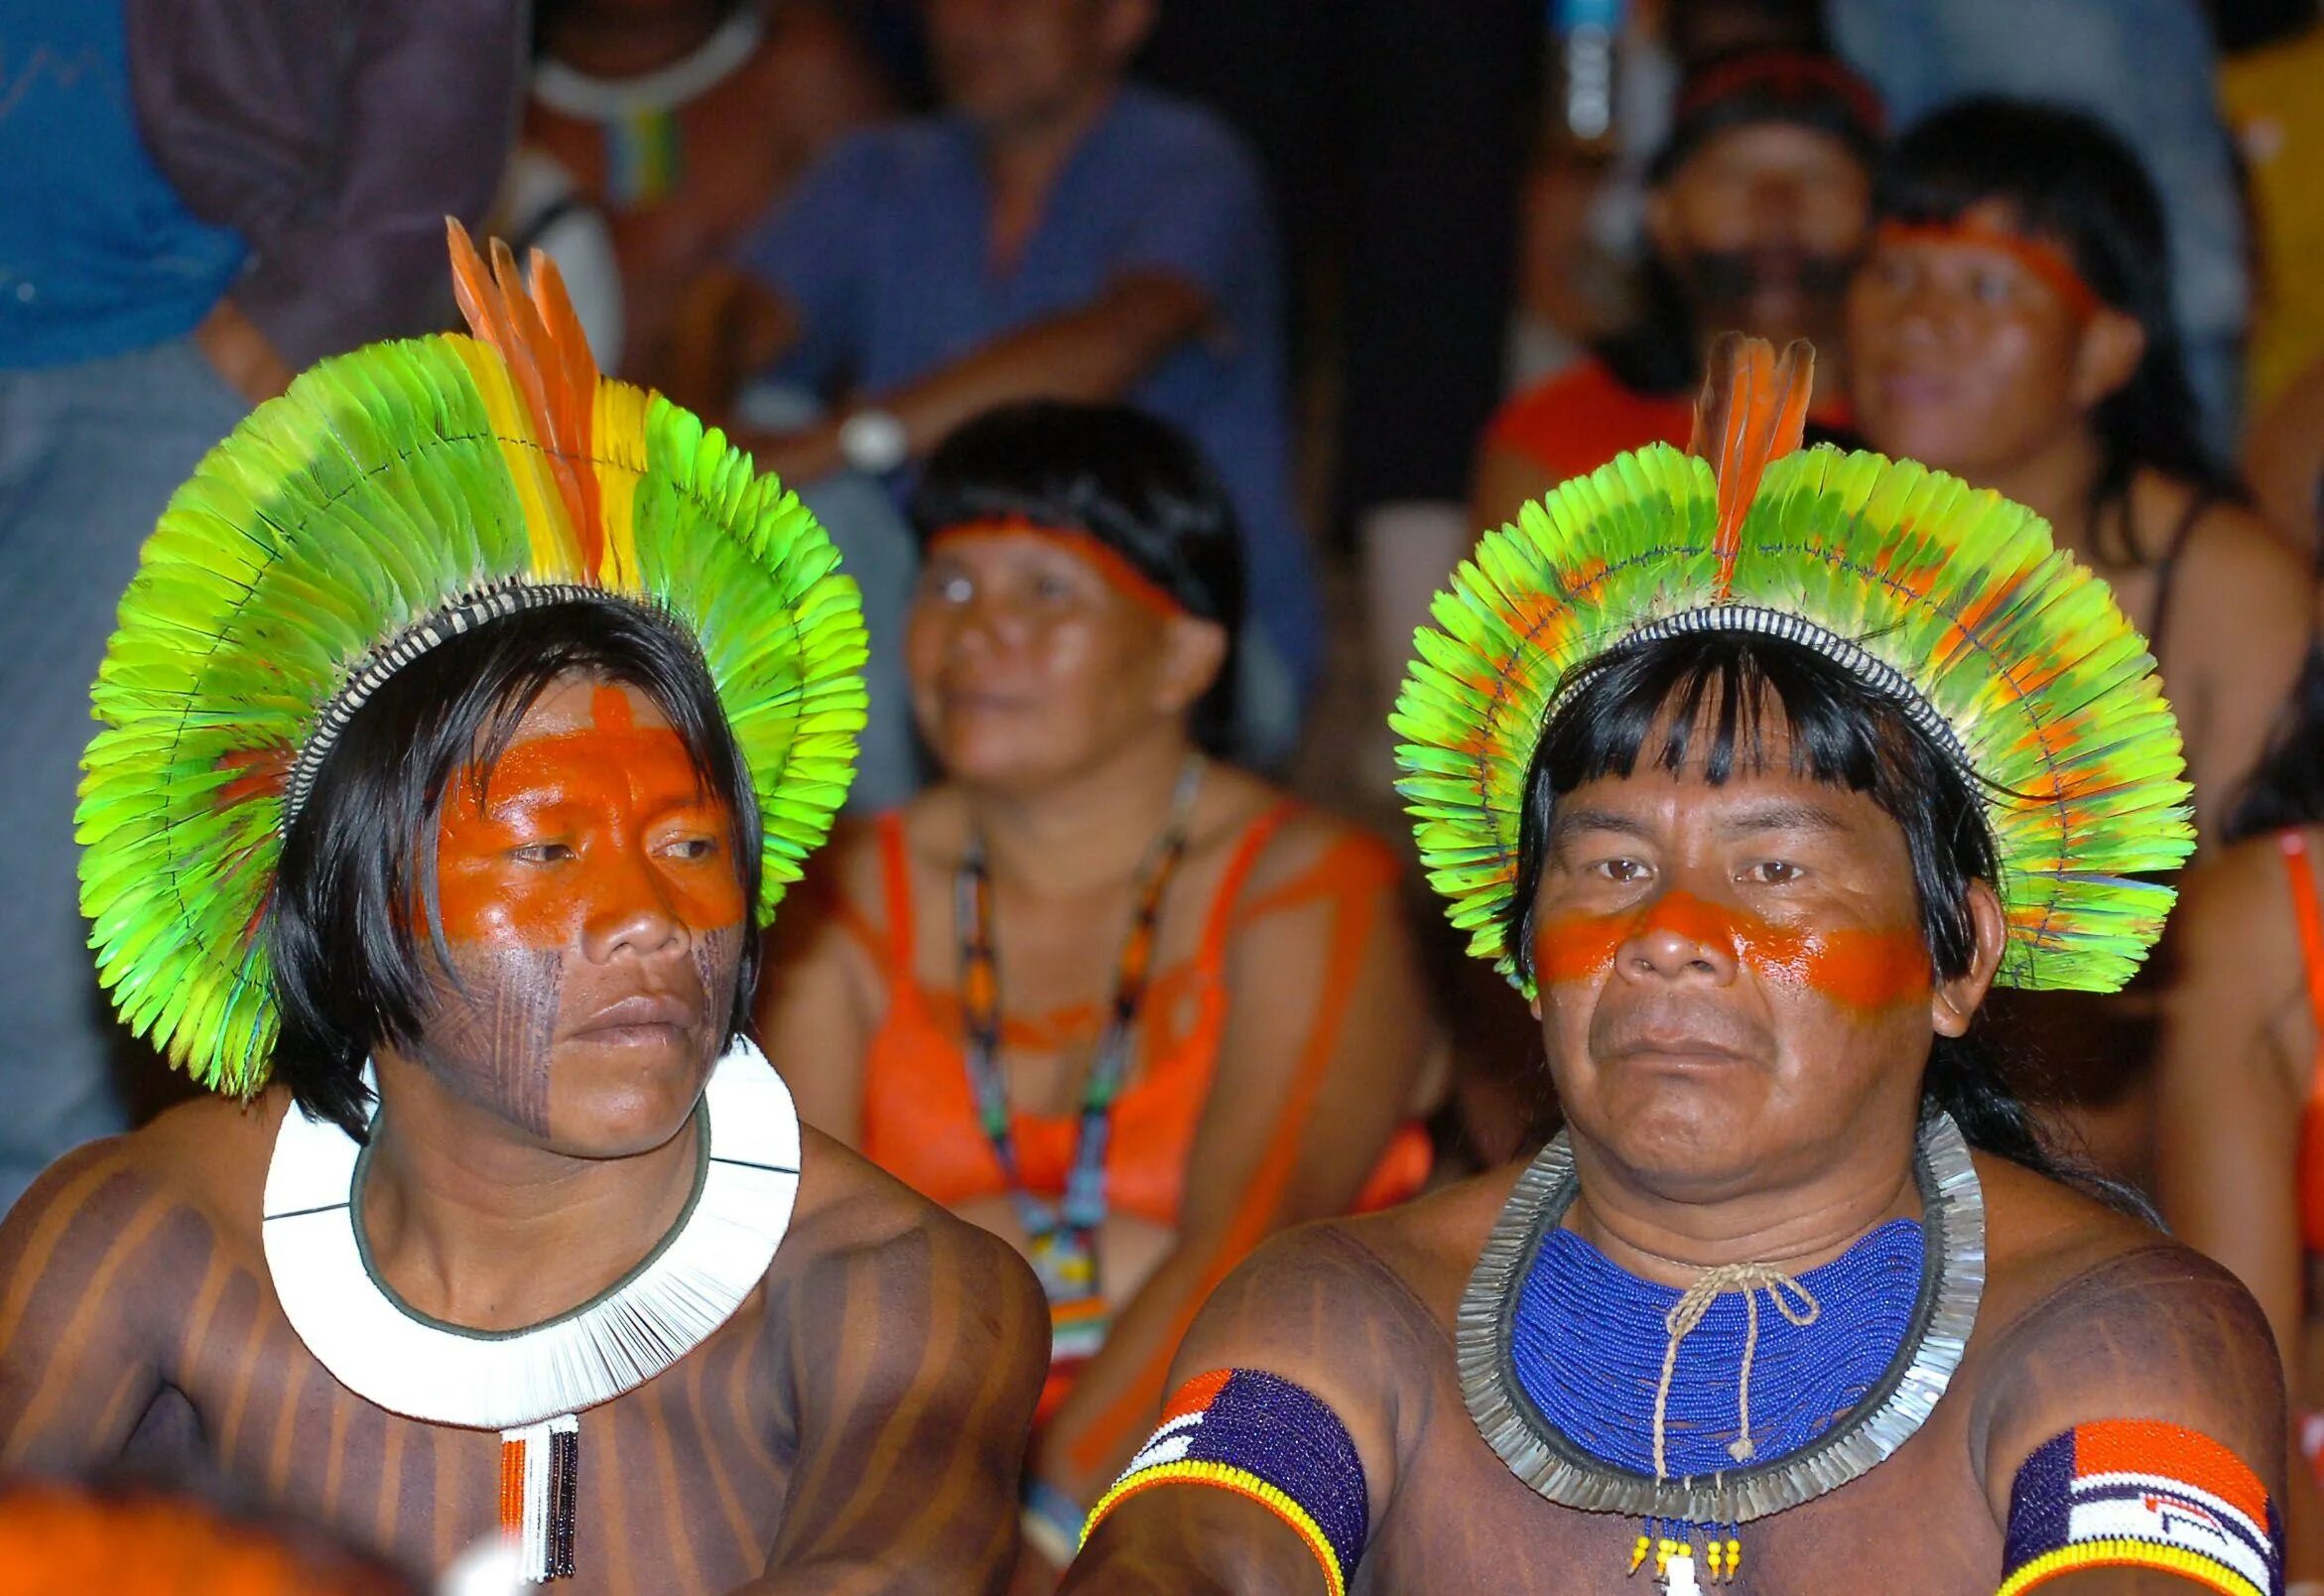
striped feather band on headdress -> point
(1950, 598)
(391, 498)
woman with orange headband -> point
(2013, 326)
(1099, 989)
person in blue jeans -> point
(167, 258)
(1056, 232)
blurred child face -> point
(1028, 661)
(1763, 224)
(1974, 348)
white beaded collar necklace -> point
(530, 1385)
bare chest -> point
(681, 1483)
(1916, 1525)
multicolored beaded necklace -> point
(1609, 1394)
(1063, 1235)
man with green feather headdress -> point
(468, 717)
(1754, 772)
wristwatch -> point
(873, 440)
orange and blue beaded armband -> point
(1260, 1436)
(2140, 1494)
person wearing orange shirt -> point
(1116, 999)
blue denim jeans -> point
(89, 456)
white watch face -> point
(874, 441)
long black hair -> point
(1121, 476)
(1646, 704)
(349, 971)
(2066, 178)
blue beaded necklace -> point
(1749, 1392)
(1587, 1340)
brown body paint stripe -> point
(64, 1209)
(50, 1384)
(706, 1443)
(673, 1501)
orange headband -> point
(1122, 576)
(2042, 258)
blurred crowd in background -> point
(1388, 272)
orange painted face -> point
(1730, 974)
(1966, 344)
(594, 908)
(578, 832)
(1028, 660)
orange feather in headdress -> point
(1754, 411)
(547, 356)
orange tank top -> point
(920, 1116)
(2308, 915)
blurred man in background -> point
(1760, 209)
(196, 199)
(1056, 232)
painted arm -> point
(2233, 1067)
(1307, 1309)
(84, 1256)
(917, 1355)
(2137, 1433)
(1326, 1027)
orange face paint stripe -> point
(2039, 256)
(1122, 576)
(612, 768)
(1857, 969)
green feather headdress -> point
(1951, 600)
(392, 497)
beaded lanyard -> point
(1062, 1236)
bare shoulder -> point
(2233, 548)
(2232, 920)
(854, 1217)
(2091, 1314)
(209, 1157)
(1359, 1309)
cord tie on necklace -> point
(1794, 1300)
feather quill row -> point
(1953, 596)
(384, 486)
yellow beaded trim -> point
(1243, 1483)
(2121, 1552)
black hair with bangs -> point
(349, 971)
(1121, 476)
(1724, 686)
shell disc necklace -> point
(532, 1384)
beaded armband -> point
(2139, 1494)
(1260, 1436)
